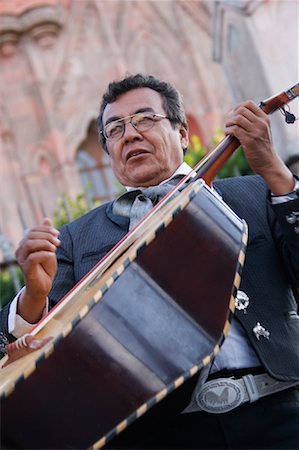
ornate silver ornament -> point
(293, 217)
(241, 301)
(260, 331)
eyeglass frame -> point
(129, 119)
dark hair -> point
(171, 98)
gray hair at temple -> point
(171, 99)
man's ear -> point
(184, 137)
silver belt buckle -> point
(220, 396)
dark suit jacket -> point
(270, 273)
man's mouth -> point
(135, 153)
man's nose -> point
(131, 133)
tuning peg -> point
(289, 117)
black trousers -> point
(269, 423)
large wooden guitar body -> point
(146, 327)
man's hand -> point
(36, 256)
(251, 126)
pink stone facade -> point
(57, 56)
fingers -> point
(246, 118)
(36, 242)
(249, 109)
(39, 239)
(45, 227)
(43, 259)
(42, 234)
(251, 126)
(36, 256)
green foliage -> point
(7, 288)
(69, 209)
(235, 166)
(195, 152)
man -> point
(143, 128)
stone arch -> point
(93, 165)
(43, 157)
(81, 126)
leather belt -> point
(224, 394)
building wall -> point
(57, 56)
(257, 44)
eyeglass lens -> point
(141, 122)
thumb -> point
(47, 221)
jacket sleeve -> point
(5, 337)
(65, 278)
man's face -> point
(144, 158)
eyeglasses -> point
(142, 121)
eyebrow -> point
(140, 110)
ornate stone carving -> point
(41, 20)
